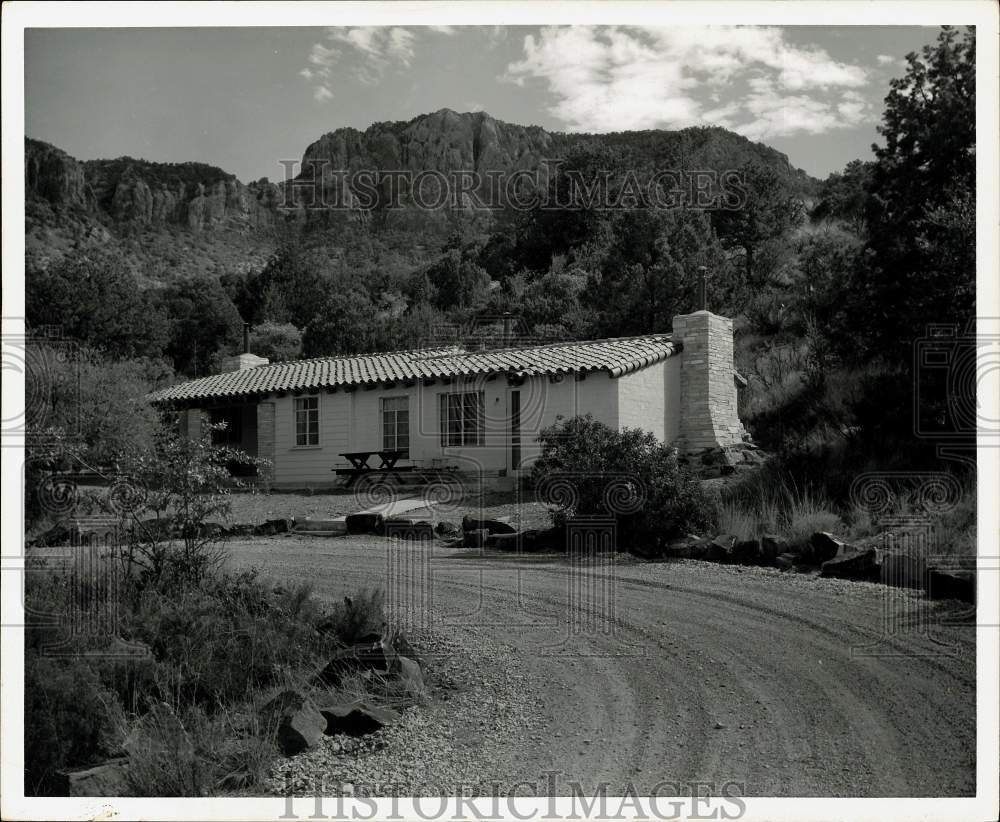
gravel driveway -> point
(545, 673)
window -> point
(462, 418)
(307, 421)
(396, 425)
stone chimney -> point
(708, 417)
(245, 359)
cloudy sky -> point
(244, 99)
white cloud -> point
(616, 78)
(885, 59)
(447, 30)
(367, 51)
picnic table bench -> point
(360, 467)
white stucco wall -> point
(351, 421)
(650, 399)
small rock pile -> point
(876, 559)
(299, 722)
(709, 463)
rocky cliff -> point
(444, 141)
(127, 190)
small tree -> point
(167, 498)
(589, 469)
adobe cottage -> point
(475, 411)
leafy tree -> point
(93, 297)
(651, 270)
(768, 211)
(276, 341)
(342, 324)
(203, 321)
(84, 410)
(844, 196)
(458, 281)
(920, 213)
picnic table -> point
(360, 467)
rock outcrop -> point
(53, 175)
(126, 190)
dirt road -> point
(641, 674)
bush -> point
(66, 719)
(221, 642)
(588, 469)
(356, 617)
(185, 715)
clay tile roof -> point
(614, 356)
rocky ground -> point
(478, 706)
(654, 675)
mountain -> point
(176, 219)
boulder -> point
(408, 529)
(447, 529)
(365, 524)
(826, 546)
(271, 527)
(689, 547)
(952, 583)
(746, 551)
(475, 539)
(902, 570)
(772, 546)
(108, 779)
(493, 526)
(787, 561)
(403, 648)
(410, 676)
(355, 718)
(377, 655)
(853, 565)
(720, 549)
(296, 722)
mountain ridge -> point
(194, 218)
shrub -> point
(356, 617)
(185, 715)
(216, 649)
(174, 489)
(589, 469)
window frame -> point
(396, 419)
(295, 422)
(448, 430)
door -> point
(515, 429)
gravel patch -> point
(477, 708)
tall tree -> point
(920, 263)
(203, 322)
(844, 196)
(766, 211)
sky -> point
(246, 98)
